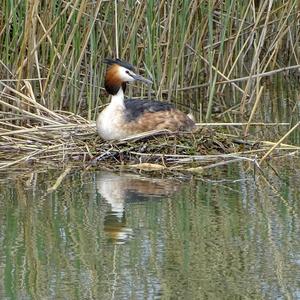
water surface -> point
(104, 235)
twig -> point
(278, 143)
(265, 74)
(253, 110)
(242, 124)
(59, 180)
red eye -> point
(128, 72)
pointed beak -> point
(141, 78)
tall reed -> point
(184, 46)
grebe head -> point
(118, 73)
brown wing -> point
(172, 119)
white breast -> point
(110, 123)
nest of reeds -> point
(65, 138)
(30, 134)
(163, 149)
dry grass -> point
(31, 134)
(51, 75)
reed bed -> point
(203, 55)
(204, 46)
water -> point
(103, 235)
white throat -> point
(118, 99)
(111, 120)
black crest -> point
(122, 63)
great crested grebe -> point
(125, 117)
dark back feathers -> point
(136, 107)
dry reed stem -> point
(253, 110)
(59, 180)
(264, 74)
(278, 143)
